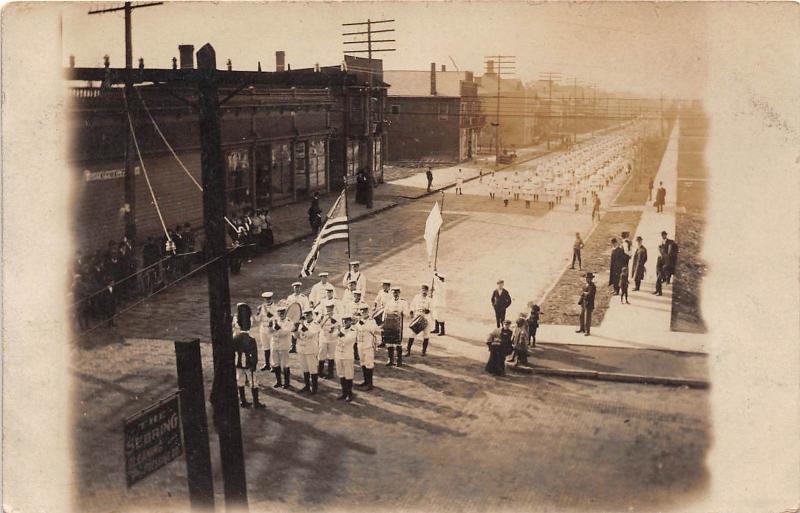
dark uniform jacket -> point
(639, 259)
(246, 351)
(587, 296)
(501, 300)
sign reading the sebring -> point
(152, 439)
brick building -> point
(434, 115)
(287, 134)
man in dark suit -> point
(501, 300)
(619, 259)
(661, 197)
(587, 305)
(429, 176)
(671, 258)
(639, 259)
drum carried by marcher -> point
(418, 324)
(294, 312)
(377, 316)
(393, 328)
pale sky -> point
(643, 48)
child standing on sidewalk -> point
(519, 341)
(533, 324)
(623, 286)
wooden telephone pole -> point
(549, 76)
(502, 65)
(369, 132)
(130, 180)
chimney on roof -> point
(187, 56)
(280, 60)
(71, 61)
(433, 79)
(444, 68)
(490, 67)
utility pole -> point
(502, 65)
(574, 123)
(369, 131)
(549, 76)
(130, 180)
(223, 391)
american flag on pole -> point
(335, 228)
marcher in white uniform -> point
(395, 307)
(297, 297)
(527, 193)
(355, 274)
(347, 295)
(516, 185)
(459, 182)
(367, 334)
(319, 290)
(307, 334)
(328, 329)
(281, 331)
(492, 185)
(345, 341)
(420, 305)
(506, 191)
(265, 312)
(330, 297)
(439, 302)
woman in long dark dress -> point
(499, 341)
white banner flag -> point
(432, 226)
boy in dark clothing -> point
(533, 324)
(246, 356)
(623, 286)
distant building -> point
(516, 108)
(288, 134)
(433, 115)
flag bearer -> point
(307, 334)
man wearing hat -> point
(330, 297)
(264, 314)
(355, 274)
(367, 333)
(346, 339)
(319, 290)
(420, 306)
(638, 268)
(246, 356)
(395, 307)
(297, 297)
(619, 260)
(501, 300)
(587, 305)
(350, 299)
(281, 330)
(307, 333)
(439, 302)
(328, 329)
(378, 306)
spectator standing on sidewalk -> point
(501, 300)
(596, 207)
(577, 246)
(497, 341)
(619, 261)
(315, 213)
(661, 197)
(519, 342)
(429, 176)
(459, 182)
(587, 305)
(639, 259)
(533, 323)
(623, 286)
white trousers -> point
(367, 356)
(279, 358)
(344, 368)
(327, 350)
(308, 362)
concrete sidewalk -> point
(624, 324)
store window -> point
(353, 160)
(300, 171)
(317, 165)
(238, 178)
(281, 172)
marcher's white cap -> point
(267, 294)
(396, 288)
(364, 307)
(240, 304)
(424, 286)
(355, 262)
(347, 316)
(297, 284)
(323, 274)
(357, 292)
(386, 282)
(282, 308)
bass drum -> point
(392, 328)
(294, 312)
